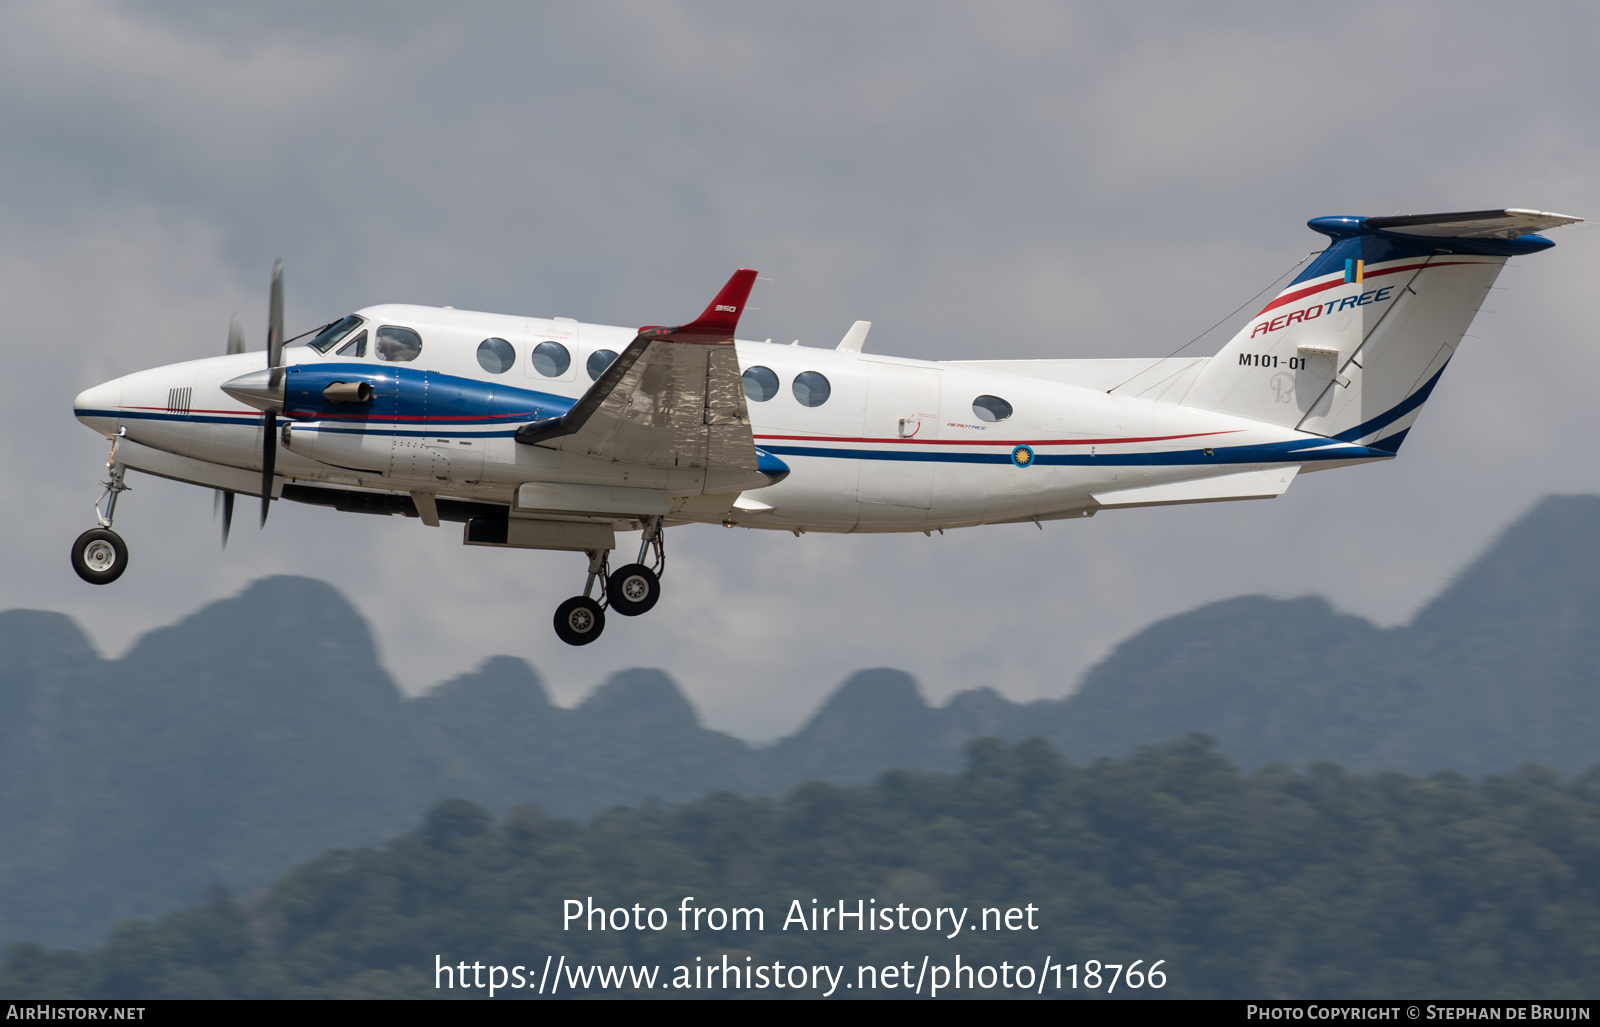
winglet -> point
(721, 317)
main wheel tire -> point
(633, 590)
(99, 556)
(579, 620)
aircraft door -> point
(896, 477)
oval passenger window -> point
(811, 388)
(551, 359)
(991, 408)
(399, 345)
(760, 384)
(598, 361)
(496, 356)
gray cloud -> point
(978, 180)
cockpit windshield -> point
(330, 336)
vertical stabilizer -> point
(1352, 348)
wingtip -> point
(721, 316)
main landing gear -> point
(630, 590)
(99, 555)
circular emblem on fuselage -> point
(1022, 456)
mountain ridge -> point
(128, 784)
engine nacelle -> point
(406, 423)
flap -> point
(561, 497)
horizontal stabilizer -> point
(1245, 485)
(1472, 224)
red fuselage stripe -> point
(1312, 290)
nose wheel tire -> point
(633, 590)
(579, 620)
(99, 556)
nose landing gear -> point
(99, 556)
(630, 591)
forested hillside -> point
(211, 753)
(1275, 884)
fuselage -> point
(873, 443)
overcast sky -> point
(984, 180)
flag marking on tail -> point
(1312, 290)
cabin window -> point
(760, 384)
(811, 388)
(356, 347)
(598, 361)
(400, 345)
(496, 356)
(991, 408)
(551, 359)
(329, 337)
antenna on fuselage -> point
(855, 338)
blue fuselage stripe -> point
(1394, 413)
(1281, 453)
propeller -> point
(223, 503)
(269, 426)
(264, 389)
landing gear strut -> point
(99, 555)
(635, 588)
(630, 591)
(580, 619)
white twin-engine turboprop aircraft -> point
(551, 434)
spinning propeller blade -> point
(224, 503)
(269, 424)
(269, 460)
(275, 323)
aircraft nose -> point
(257, 389)
(99, 407)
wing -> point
(672, 399)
